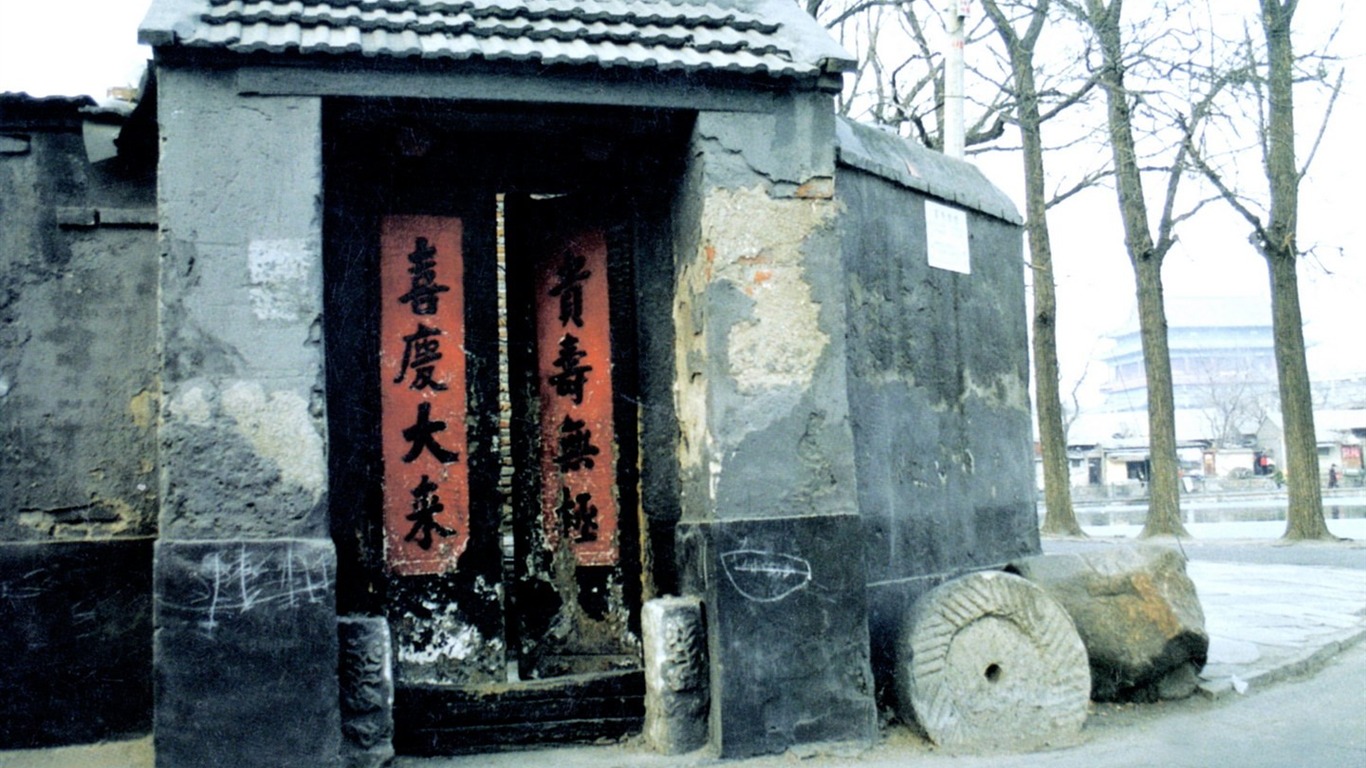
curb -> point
(1299, 664)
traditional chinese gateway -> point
(482, 323)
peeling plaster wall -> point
(769, 532)
(760, 386)
(245, 575)
(78, 383)
(243, 446)
(259, 456)
(766, 266)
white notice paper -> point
(946, 237)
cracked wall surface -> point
(78, 368)
(938, 384)
(938, 372)
(79, 394)
(759, 385)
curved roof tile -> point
(770, 37)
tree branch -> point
(1072, 98)
(1224, 191)
(852, 10)
(1086, 182)
(1323, 126)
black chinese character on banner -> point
(572, 376)
(576, 446)
(422, 295)
(426, 506)
(421, 350)
(423, 435)
(570, 288)
(578, 516)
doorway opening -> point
(497, 353)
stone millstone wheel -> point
(990, 661)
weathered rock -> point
(1138, 614)
(990, 661)
(676, 690)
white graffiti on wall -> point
(234, 583)
(765, 577)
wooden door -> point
(577, 576)
(567, 665)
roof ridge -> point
(737, 36)
(614, 30)
(659, 11)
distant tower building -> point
(1228, 420)
(1222, 356)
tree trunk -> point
(1164, 505)
(1059, 516)
(1304, 517)
(1164, 512)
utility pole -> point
(953, 81)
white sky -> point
(1213, 257)
(70, 47)
(73, 47)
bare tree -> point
(1232, 396)
(1059, 516)
(1071, 410)
(1269, 85)
(899, 79)
(1146, 249)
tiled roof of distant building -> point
(767, 37)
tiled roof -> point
(771, 37)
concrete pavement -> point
(1267, 623)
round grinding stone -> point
(989, 661)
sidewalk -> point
(1269, 622)
(1266, 623)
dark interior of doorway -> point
(418, 157)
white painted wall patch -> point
(278, 273)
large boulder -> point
(1137, 613)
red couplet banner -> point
(422, 394)
(578, 452)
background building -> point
(1227, 410)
